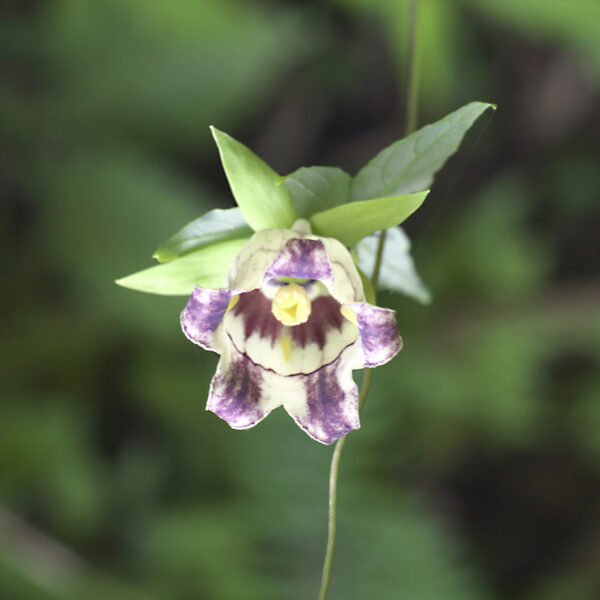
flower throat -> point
(291, 305)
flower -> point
(290, 327)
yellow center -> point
(291, 305)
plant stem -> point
(410, 126)
(333, 479)
(410, 123)
(331, 518)
(337, 452)
(378, 260)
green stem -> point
(378, 260)
(411, 122)
(337, 452)
(412, 82)
(333, 479)
(331, 518)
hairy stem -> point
(410, 126)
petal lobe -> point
(238, 393)
(328, 409)
(203, 313)
(378, 333)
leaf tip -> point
(216, 133)
(483, 104)
(420, 197)
(160, 256)
(491, 105)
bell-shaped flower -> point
(290, 327)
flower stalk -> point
(410, 126)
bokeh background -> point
(476, 474)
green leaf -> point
(206, 267)
(264, 203)
(317, 188)
(215, 226)
(397, 272)
(408, 165)
(351, 222)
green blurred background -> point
(476, 474)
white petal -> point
(327, 405)
(241, 393)
(250, 264)
(303, 348)
(347, 284)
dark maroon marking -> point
(325, 315)
(256, 312)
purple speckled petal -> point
(303, 259)
(202, 315)
(378, 333)
(327, 407)
(239, 393)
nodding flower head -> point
(290, 327)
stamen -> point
(291, 305)
(349, 314)
(234, 300)
(285, 341)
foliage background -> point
(476, 474)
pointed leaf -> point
(351, 222)
(397, 272)
(264, 204)
(409, 165)
(206, 267)
(215, 226)
(316, 189)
